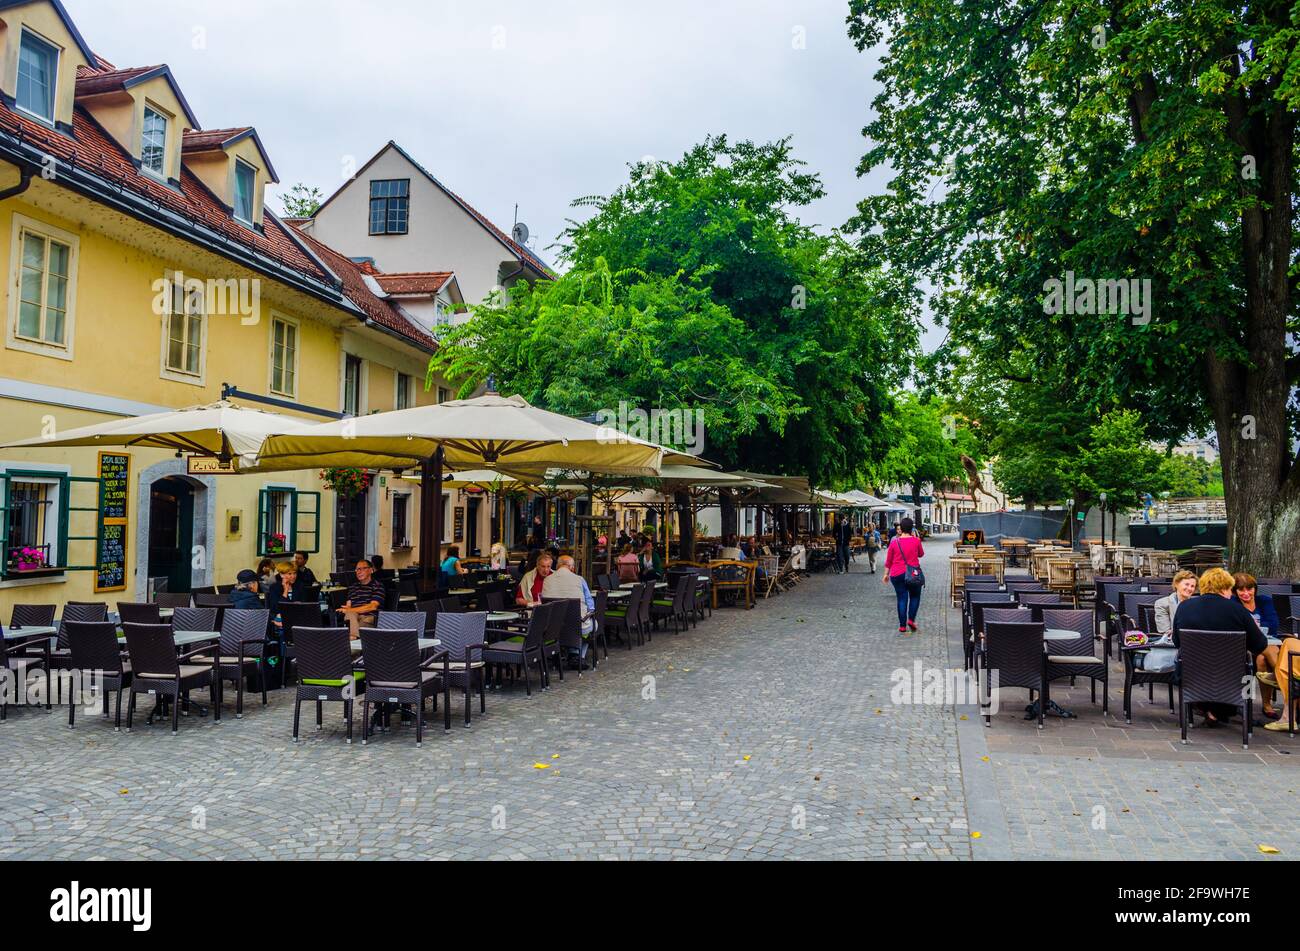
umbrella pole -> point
(431, 527)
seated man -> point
(529, 592)
(564, 582)
(365, 600)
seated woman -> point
(451, 566)
(628, 565)
(500, 558)
(1184, 587)
(730, 550)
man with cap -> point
(244, 596)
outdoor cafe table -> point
(426, 643)
(500, 616)
(187, 638)
(632, 584)
(29, 633)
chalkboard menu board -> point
(458, 533)
(114, 473)
(110, 575)
(114, 481)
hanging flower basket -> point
(346, 482)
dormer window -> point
(38, 65)
(245, 190)
(153, 146)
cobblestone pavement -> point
(1096, 787)
(769, 735)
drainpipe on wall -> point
(24, 183)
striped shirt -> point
(362, 594)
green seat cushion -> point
(359, 675)
(515, 640)
(622, 612)
(662, 604)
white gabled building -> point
(396, 214)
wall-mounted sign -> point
(209, 466)
(458, 534)
(110, 555)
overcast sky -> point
(510, 101)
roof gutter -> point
(16, 151)
(388, 331)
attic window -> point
(390, 206)
(153, 147)
(245, 188)
(38, 64)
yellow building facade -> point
(145, 274)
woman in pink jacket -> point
(904, 551)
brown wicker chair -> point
(1077, 658)
(240, 653)
(519, 651)
(95, 650)
(155, 669)
(1213, 667)
(1015, 651)
(396, 676)
(326, 673)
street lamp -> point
(1103, 519)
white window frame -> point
(166, 372)
(362, 384)
(54, 82)
(62, 351)
(57, 473)
(160, 174)
(252, 200)
(297, 355)
(395, 543)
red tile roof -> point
(411, 283)
(92, 150)
(376, 308)
(210, 139)
(91, 82)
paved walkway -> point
(754, 735)
(768, 733)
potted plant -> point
(275, 544)
(347, 482)
(28, 559)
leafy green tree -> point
(1187, 477)
(1030, 143)
(592, 339)
(1119, 461)
(301, 201)
(694, 285)
(926, 445)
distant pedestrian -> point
(872, 538)
(903, 571)
(843, 539)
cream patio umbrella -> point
(221, 430)
(491, 431)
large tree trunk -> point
(1260, 477)
(916, 501)
(686, 529)
(727, 503)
